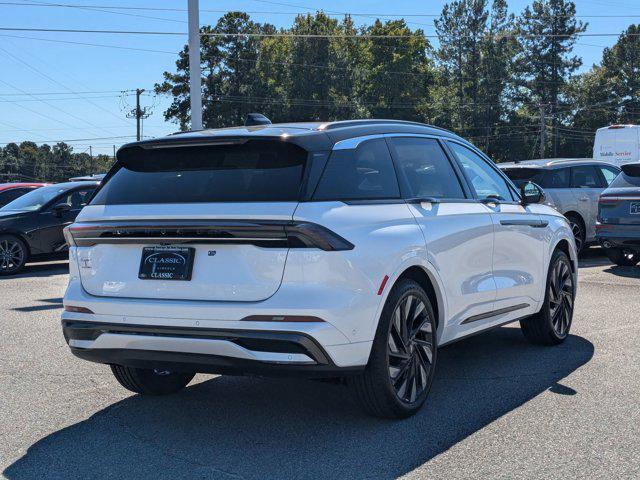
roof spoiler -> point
(631, 169)
(256, 119)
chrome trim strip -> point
(494, 313)
(169, 239)
(523, 222)
(352, 143)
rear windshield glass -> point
(624, 181)
(524, 175)
(255, 171)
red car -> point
(10, 191)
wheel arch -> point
(426, 276)
(20, 237)
(578, 215)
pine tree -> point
(548, 32)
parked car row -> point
(572, 186)
(600, 202)
(32, 224)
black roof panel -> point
(312, 136)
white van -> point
(617, 144)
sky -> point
(55, 87)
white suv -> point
(349, 249)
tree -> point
(461, 28)
(621, 64)
(398, 73)
(229, 67)
(548, 31)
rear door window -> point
(252, 171)
(425, 168)
(365, 173)
(585, 176)
(557, 178)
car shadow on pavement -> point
(41, 269)
(232, 427)
(627, 272)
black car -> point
(32, 224)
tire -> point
(551, 325)
(622, 257)
(398, 376)
(13, 255)
(578, 230)
(151, 382)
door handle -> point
(526, 223)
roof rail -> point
(357, 123)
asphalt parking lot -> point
(499, 407)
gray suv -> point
(572, 187)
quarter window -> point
(485, 180)
(425, 168)
(584, 176)
(609, 174)
(364, 173)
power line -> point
(63, 93)
(51, 79)
(90, 44)
(300, 35)
(264, 12)
(99, 9)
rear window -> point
(520, 176)
(255, 171)
(624, 181)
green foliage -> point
(507, 83)
(30, 162)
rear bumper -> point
(618, 236)
(155, 331)
(218, 351)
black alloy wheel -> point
(401, 367)
(551, 325)
(410, 351)
(623, 257)
(13, 255)
(578, 233)
(561, 298)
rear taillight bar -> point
(266, 234)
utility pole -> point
(543, 129)
(90, 151)
(195, 89)
(114, 152)
(139, 113)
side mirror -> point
(60, 208)
(531, 193)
